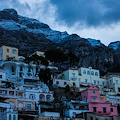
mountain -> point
(114, 45)
(30, 35)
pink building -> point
(96, 103)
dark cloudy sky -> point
(97, 19)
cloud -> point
(97, 19)
(89, 13)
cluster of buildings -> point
(24, 97)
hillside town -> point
(74, 94)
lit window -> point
(14, 51)
(93, 92)
(88, 72)
(96, 73)
(84, 71)
(92, 73)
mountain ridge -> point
(30, 35)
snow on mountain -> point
(94, 42)
(114, 45)
(11, 25)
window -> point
(12, 104)
(116, 82)
(84, 71)
(9, 116)
(98, 82)
(29, 69)
(118, 89)
(96, 73)
(111, 109)
(93, 92)
(0, 76)
(7, 50)
(7, 57)
(21, 69)
(14, 51)
(103, 83)
(14, 117)
(29, 106)
(20, 105)
(91, 118)
(13, 58)
(86, 80)
(57, 82)
(74, 84)
(79, 80)
(110, 82)
(88, 72)
(94, 109)
(32, 96)
(94, 99)
(65, 83)
(92, 73)
(73, 75)
(104, 110)
(94, 82)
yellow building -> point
(7, 53)
(82, 76)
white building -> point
(82, 76)
(7, 113)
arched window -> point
(96, 73)
(88, 72)
(9, 116)
(12, 104)
(32, 96)
(14, 51)
(20, 105)
(92, 73)
(42, 97)
(84, 71)
(14, 117)
(48, 97)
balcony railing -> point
(73, 78)
(103, 113)
(94, 101)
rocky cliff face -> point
(30, 35)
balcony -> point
(73, 78)
(94, 101)
(102, 113)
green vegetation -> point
(37, 60)
(45, 75)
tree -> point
(56, 55)
(45, 75)
(37, 60)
